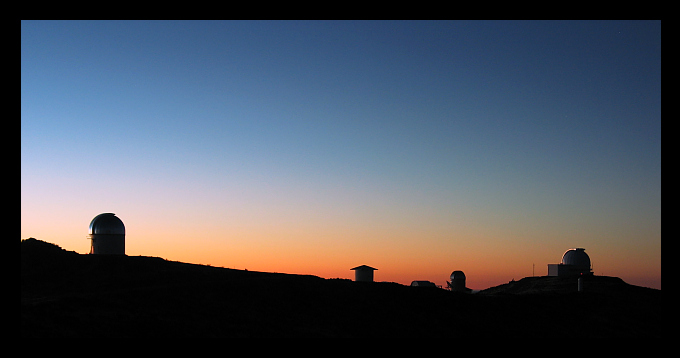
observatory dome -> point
(457, 275)
(106, 224)
(576, 257)
(457, 283)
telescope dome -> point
(457, 283)
(106, 224)
(457, 275)
(576, 257)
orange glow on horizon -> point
(402, 253)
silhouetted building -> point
(457, 283)
(575, 262)
(107, 233)
(363, 273)
(423, 284)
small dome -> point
(107, 224)
(457, 275)
(576, 257)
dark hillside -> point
(68, 295)
(564, 285)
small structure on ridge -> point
(363, 273)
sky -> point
(311, 147)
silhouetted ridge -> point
(36, 246)
(561, 285)
(40, 255)
(83, 297)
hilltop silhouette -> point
(69, 295)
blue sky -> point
(541, 133)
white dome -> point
(576, 257)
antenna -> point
(533, 270)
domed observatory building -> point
(107, 233)
(457, 283)
(575, 262)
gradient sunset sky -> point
(311, 147)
